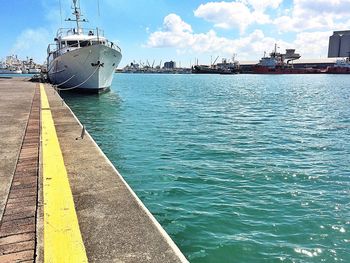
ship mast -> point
(77, 15)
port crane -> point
(215, 61)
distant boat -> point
(30, 67)
(275, 64)
(10, 66)
(34, 70)
(220, 68)
(82, 58)
(341, 66)
(10, 71)
(204, 69)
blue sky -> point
(180, 30)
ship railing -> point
(57, 49)
(63, 32)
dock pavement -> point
(61, 199)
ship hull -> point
(9, 71)
(267, 70)
(34, 71)
(88, 69)
(338, 70)
(207, 70)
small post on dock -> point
(82, 132)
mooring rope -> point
(64, 82)
(77, 86)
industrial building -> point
(339, 44)
(170, 65)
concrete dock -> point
(62, 200)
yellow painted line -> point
(62, 238)
(44, 100)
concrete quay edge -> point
(171, 246)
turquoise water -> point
(244, 168)
(16, 75)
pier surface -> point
(112, 224)
(19, 161)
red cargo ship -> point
(275, 64)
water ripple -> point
(240, 168)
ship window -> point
(63, 44)
(84, 43)
(94, 42)
(72, 43)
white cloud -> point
(175, 33)
(312, 44)
(339, 7)
(226, 14)
(32, 43)
(263, 4)
(174, 23)
(315, 15)
(304, 15)
(178, 34)
(238, 14)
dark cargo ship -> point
(220, 68)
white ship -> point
(82, 58)
(9, 70)
(10, 66)
(30, 67)
(34, 70)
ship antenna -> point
(61, 12)
(98, 12)
(77, 14)
(98, 7)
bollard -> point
(82, 132)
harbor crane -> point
(215, 61)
